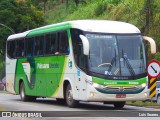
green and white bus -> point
(81, 60)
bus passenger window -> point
(29, 46)
(19, 48)
(47, 44)
(53, 43)
(63, 43)
(38, 45)
(50, 43)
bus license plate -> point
(121, 96)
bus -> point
(80, 60)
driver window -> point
(78, 48)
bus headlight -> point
(143, 85)
(96, 85)
(92, 94)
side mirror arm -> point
(85, 43)
(152, 44)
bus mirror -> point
(85, 43)
(152, 44)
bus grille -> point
(121, 88)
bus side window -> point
(19, 48)
(47, 44)
(63, 43)
(29, 46)
(39, 45)
(53, 43)
(78, 48)
(11, 49)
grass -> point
(144, 104)
(3, 91)
(1, 109)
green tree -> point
(20, 15)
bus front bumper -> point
(94, 95)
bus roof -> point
(105, 26)
(102, 26)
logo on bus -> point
(70, 64)
(121, 89)
(47, 66)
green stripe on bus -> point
(49, 29)
(106, 82)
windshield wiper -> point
(128, 65)
(112, 61)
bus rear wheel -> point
(119, 105)
(23, 95)
(69, 97)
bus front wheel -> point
(69, 97)
(23, 95)
(119, 105)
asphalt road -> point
(92, 110)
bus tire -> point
(23, 95)
(119, 105)
(69, 97)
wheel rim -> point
(69, 97)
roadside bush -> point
(100, 8)
(157, 56)
(1, 68)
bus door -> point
(80, 60)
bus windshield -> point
(116, 55)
